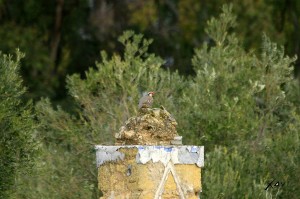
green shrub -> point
(17, 125)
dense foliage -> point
(64, 36)
(17, 145)
(241, 104)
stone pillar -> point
(149, 161)
(150, 171)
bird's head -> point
(151, 93)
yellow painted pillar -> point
(150, 172)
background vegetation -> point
(227, 84)
(65, 36)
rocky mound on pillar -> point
(153, 126)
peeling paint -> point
(163, 154)
(108, 153)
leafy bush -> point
(17, 125)
(238, 105)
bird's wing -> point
(142, 101)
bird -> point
(146, 101)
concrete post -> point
(148, 160)
(150, 172)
